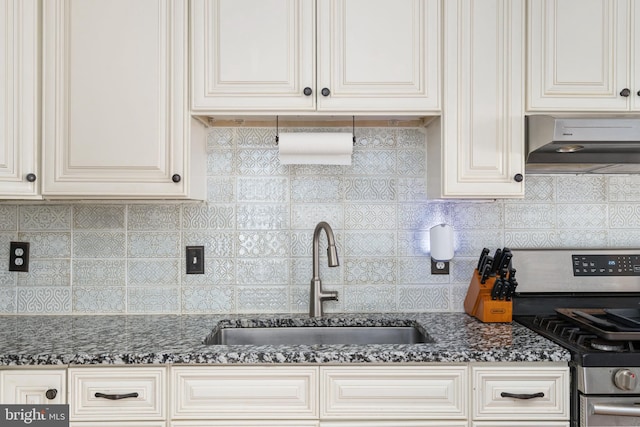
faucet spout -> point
(317, 295)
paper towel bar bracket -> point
(353, 129)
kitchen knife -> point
(486, 272)
(483, 255)
(505, 261)
(497, 256)
(513, 284)
(497, 289)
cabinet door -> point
(379, 55)
(476, 150)
(115, 115)
(19, 98)
(33, 387)
(578, 55)
(253, 55)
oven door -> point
(609, 411)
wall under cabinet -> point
(122, 257)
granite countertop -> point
(168, 339)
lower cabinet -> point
(33, 386)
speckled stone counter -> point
(171, 339)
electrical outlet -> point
(439, 267)
(19, 256)
(195, 259)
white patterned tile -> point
(302, 272)
(306, 216)
(99, 244)
(423, 298)
(153, 300)
(262, 189)
(476, 215)
(369, 299)
(263, 217)
(365, 216)
(260, 162)
(412, 190)
(256, 137)
(300, 299)
(220, 138)
(581, 188)
(221, 163)
(583, 238)
(8, 218)
(532, 239)
(302, 244)
(463, 269)
(624, 215)
(411, 137)
(8, 300)
(272, 299)
(99, 300)
(458, 295)
(9, 278)
(5, 239)
(47, 272)
(45, 218)
(412, 163)
(221, 189)
(417, 270)
(375, 137)
(263, 244)
(99, 272)
(582, 216)
(530, 216)
(423, 216)
(370, 272)
(623, 188)
(47, 245)
(539, 188)
(374, 189)
(214, 217)
(205, 300)
(372, 162)
(471, 242)
(370, 243)
(152, 272)
(263, 271)
(624, 238)
(153, 217)
(153, 245)
(216, 243)
(413, 243)
(302, 170)
(224, 271)
(98, 217)
(316, 189)
(51, 300)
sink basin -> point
(302, 335)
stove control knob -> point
(625, 380)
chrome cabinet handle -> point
(521, 396)
(615, 410)
(116, 396)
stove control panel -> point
(606, 265)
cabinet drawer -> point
(396, 393)
(521, 424)
(244, 392)
(490, 385)
(246, 423)
(119, 424)
(146, 386)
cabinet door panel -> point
(29, 387)
(19, 98)
(379, 55)
(578, 58)
(115, 112)
(253, 54)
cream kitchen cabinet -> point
(33, 386)
(116, 120)
(476, 149)
(19, 99)
(302, 56)
(532, 394)
(583, 55)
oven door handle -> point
(521, 396)
(615, 410)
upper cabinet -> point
(476, 149)
(116, 120)
(302, 56)
(583, 55)
(19, 99)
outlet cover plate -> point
(439, 267)
(19, 256)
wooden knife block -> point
(479, 304)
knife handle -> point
(497, 257)
(483, 254)
(497, 289)
(487, 270)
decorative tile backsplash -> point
(257, 225)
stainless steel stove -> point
(588, 301)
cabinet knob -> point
(326, 91)
(307, 91)
(518, 177)
(51, 393)
(176, 178)
(31, 177)
(638, 93)
(625, 92)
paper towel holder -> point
(441, 244)
(353, 129)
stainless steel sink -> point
(318, 335)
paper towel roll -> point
(441, 238)
(316, 148)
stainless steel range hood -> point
(582, 145)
